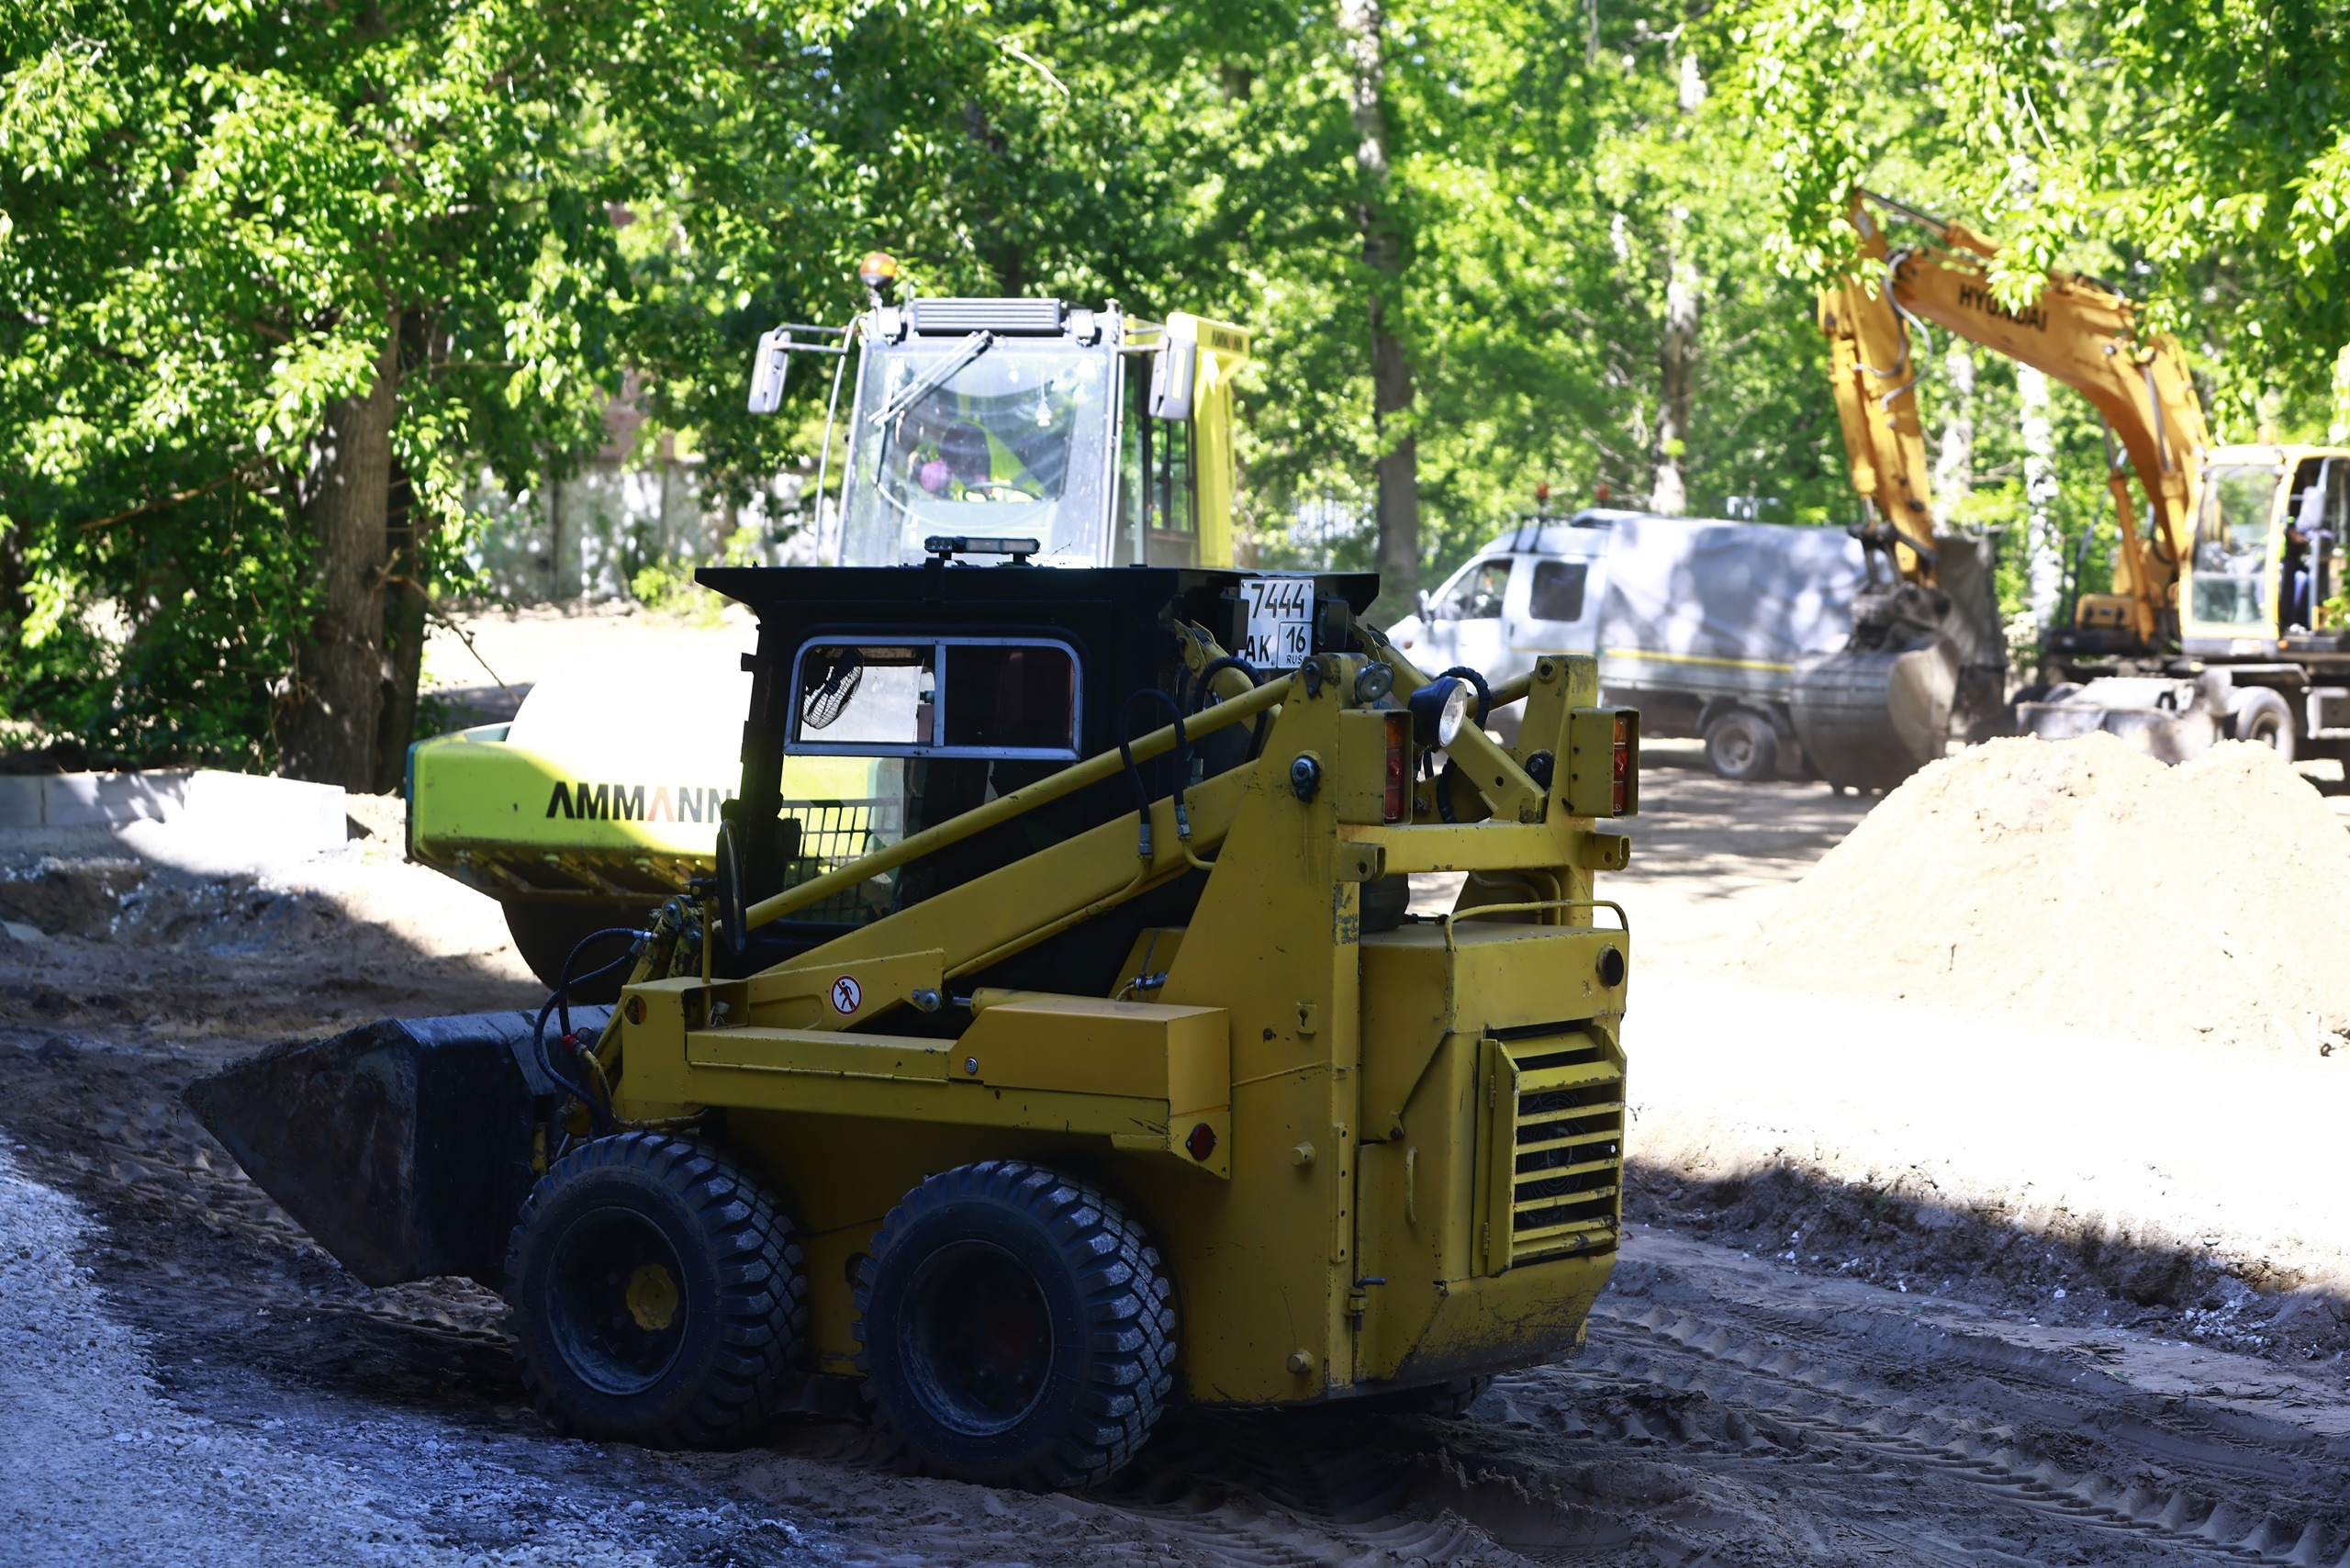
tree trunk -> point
(1669, 494)
(2045, 551)
(328, 730)
(404, 628)
(1954, 462)
(1363, 25)
(1677, 357)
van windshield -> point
(1013, 444)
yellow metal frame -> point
(1294, 1111)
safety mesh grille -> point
(1018, 317)
(1567, 1140)
(832, 834)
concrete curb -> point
(286, 814)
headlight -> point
(1438, 710)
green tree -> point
(282, 284)
(2198, 154)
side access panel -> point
(1494, 1220)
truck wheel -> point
(2259, 715)
(1742, 745)
(1014, 1328)
(545, 931)
(656, 1294)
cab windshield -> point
(1013, 442)
(2231, 546)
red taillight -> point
(1620, 779)
(1396, 802)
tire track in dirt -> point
(1724, 1406)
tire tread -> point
(763, 1286)
(1129, 1300)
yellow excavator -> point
(2216, 626)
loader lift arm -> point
(2078, 332)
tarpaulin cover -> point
(1740, 600)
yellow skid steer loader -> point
(1087, 1059)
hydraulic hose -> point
(1218, 667)
(1134, 773)
(599, 1112)
(1206, 690)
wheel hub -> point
(979, 1341)
(612, 1302)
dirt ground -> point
(1798, 1362)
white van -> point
(1695, 621)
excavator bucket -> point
(1867, 720)
(403, 1146)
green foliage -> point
(2197, 153)
(212, 214)
(215, 217)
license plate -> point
(1280, 620)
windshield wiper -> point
(936, 376)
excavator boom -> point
(2082, 335)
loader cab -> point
(886, 700)
(1105, 438)
(2268, 553)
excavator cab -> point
(2267, 555)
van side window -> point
(1478, 595)
(1558, 590)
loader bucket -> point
(1867, 720)
(402, 1145)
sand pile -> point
(2083, 884)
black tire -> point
(656, 1294)
(545, 931)
(1740, 744)
(2259, 715)
(1014, 1328)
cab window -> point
(887, 738)
(2231, 546)
(1477, 596)
(1156, 522)
(938, 697)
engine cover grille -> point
(1555, 1184)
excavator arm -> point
(2082, 335)
(1874, 368)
